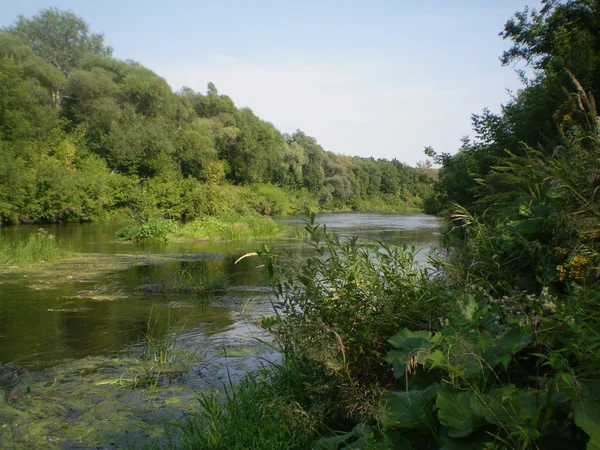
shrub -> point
(153, 230)
(339, 307)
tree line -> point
(83, 134)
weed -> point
(39, 247)
(264, 411)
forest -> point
(87, 137)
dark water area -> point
(46, 319)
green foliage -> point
(207, 227)
(68, 111)
(61, 38)
(153, 230)
(267, 410)
(338, 308)
(38, 247)
(230, 228)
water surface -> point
(45, 321)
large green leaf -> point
(476, 442)
(334, 442)
(462, 412)
(587, 417)
(532, 227)
(408, 409)
(406, 344)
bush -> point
(273, 201)
(339, 307)
(153, 230)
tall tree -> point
(60, 37)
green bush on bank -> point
(159, 230)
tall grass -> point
(267, 410)
(38, 247)
(189, 280)
(230, 228)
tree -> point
(61, 38)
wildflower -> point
(575, 269)
(562, 272)
(561, 252)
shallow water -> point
(78, 327)
(45, 320)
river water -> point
(89, 316)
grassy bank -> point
(218, 228)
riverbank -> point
(380, 352)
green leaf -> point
(406, 343)
(461, 412)
(404, 335)
(334, 442)
(471, 443)
(532, 227)
(408, 409)
(587, 417)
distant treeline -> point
(84, 136)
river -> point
(84, 322)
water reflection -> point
(43, 323)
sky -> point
(365, 78)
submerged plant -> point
(189, 279)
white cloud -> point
(353, 108)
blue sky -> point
(378, 78)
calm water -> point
(47, 319)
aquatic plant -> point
(38, 247)
(188, 279)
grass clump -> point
(39, 247)
(162, 358)
(230, 228)
(189, 280)
(266, 410)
